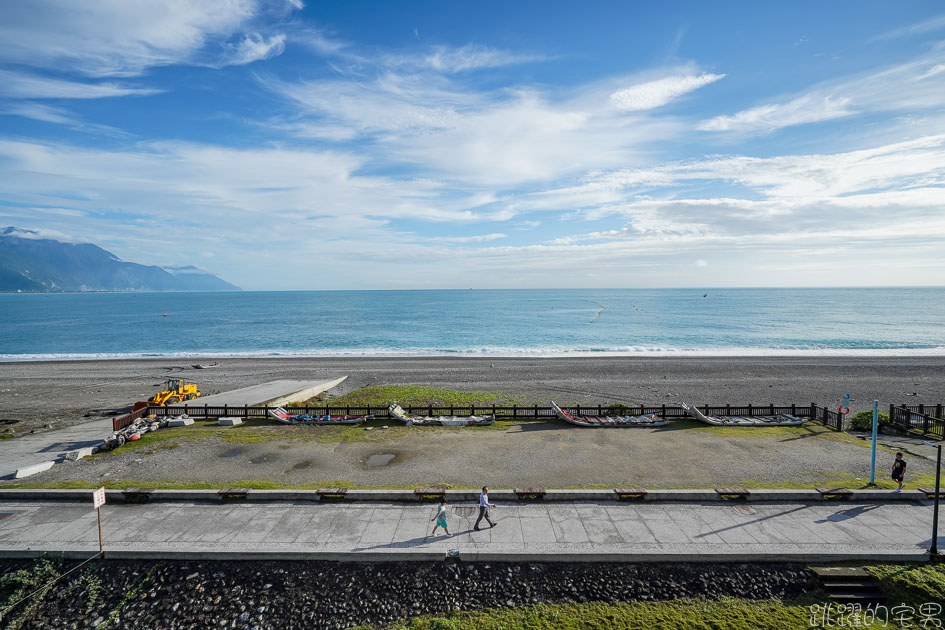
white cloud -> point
(23, 85)
(765, 118)
(482, 238)
(657, 93)
(902, 87)
(473, 57)
(56, 115)
(255, 47)
(125, 37)
(926, 26)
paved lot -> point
(44, 447)
(533, 531)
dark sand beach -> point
(56, 394)
(531, 453)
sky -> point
(387, 145)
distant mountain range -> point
(31, 261)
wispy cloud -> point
(254, 47)
(927, 26)
(904, 87)
(57, 115)
(125, 38)
(809, 108)
(22, 85)
(482, 238)
(653, 94)
(473, 57)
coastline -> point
(62, 393)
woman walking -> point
(440, 519)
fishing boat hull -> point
(603, 422)
(778, 420)
(396, 411)
(281, 415)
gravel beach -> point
(40, 395)
(548, 454)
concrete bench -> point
(837, 494)
(234, 494)
(930, 493)
(332, 494)
(628, 494)
(137, 495)
(732, 493)
(529, 493)
(430, 493)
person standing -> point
(484, 506)
(899, 471)
(440, 519)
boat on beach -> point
(396, 411)
(777, 420)
(648, 420)
(285, 417)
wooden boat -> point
(398, 412)
(648, 420)
(777, 420)
(285, 417)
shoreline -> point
(642, 353)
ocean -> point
(635, 322)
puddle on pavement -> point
(379, 459)
(302, 465)
(262, 459)
(233, 452)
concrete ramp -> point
(272, 393)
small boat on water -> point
(777, 420)
(285, 417)
(648, 420)
(398, 412)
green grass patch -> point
(418, 395)
(695, 614)
(911, 584)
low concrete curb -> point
(26, 471)
(453, 496)
(397, 555)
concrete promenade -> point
(46, 448)
(532, 531)
(272, 393)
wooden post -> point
(100, 550)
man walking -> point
(484, 506)
(899, 471)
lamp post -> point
(933, 550)
(873, 457)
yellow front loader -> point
(175, 390)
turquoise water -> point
(500, 323)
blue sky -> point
(373, 145)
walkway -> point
(524, 531)
(272, 393)
(34, 449)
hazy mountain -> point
(34, 261)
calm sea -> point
(497, 323)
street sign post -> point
(98, 500)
